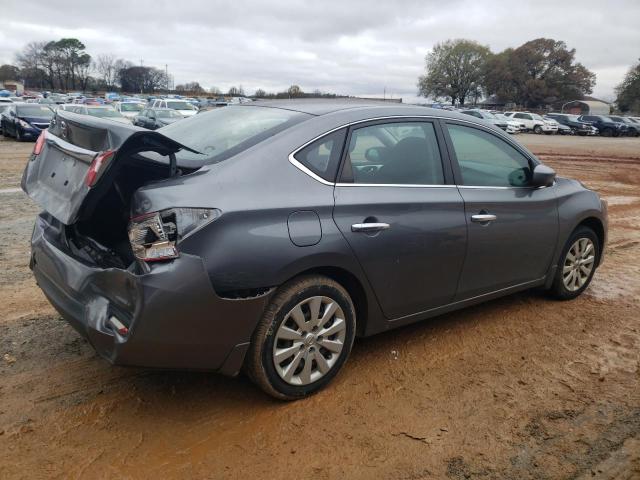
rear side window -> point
(486, 160)
(322, 157)
(399, 153)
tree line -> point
(537, 73)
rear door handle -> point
(483, 218)
(369, 227)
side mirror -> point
(543, 176)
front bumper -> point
(175, 318)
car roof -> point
(371, 108)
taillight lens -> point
(98, 165)
(37, 148)
(155, 236)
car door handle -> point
(483, 218)
(369, 227)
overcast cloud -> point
(354, 47)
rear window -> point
(322, 157)
(103, 112)
(180, 106)
(222, 133)
(35, 111)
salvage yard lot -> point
(521, 387)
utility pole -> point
(166, 74)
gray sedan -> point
(266, 237)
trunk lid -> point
(56, 178)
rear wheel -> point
(577, 264)
(303, 339)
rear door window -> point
(399, 153)
(486, 160)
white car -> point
(129, 109)
(184, 108)
(533, 122)
(513, 126)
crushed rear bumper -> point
(175, 318)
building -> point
(587, 106)
(12, 86)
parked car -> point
(606, 127)
(5, 100)
(632, 130)
(491, 118)
(185, 109)
(518, 126)
(153, 118)
(560, 128)
(25, 120)
(101, 111)
(129, 109)
(3, 107)
(533, 122)
(236, 237)
(571, 121)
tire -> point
(607, 132)
(19, 137)
(278, 320)
(582, 236)
(537, 129)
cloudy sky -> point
(355, 47)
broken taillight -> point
(37, 148)
(98, 165)
(154, 236)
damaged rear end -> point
(119, 279)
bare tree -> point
(107, 68)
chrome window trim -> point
(318, 178)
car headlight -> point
(24, 124)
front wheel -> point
(537, 129)
(303, 339)
(577, 264)
(18, 135)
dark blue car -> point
(25, 120)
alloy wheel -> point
(578, 264)
(309, 340)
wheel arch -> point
(352, 285)
(595, 224)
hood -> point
(167, 121)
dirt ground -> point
(520, 388)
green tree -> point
(454, 70)
(628, 92)
(9, 72)
(538, 72)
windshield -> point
(222, 133)
(167, 114)
(535, 116)
(131, 107)
(103, 112)
(35, 111)
(180, 105)
(488, 115)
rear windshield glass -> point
(167, 114)
(180, 106)
(103, 112)
(131, 107)
(224, 132)
(35, 111)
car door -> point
(397, 207)
(512, 227)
